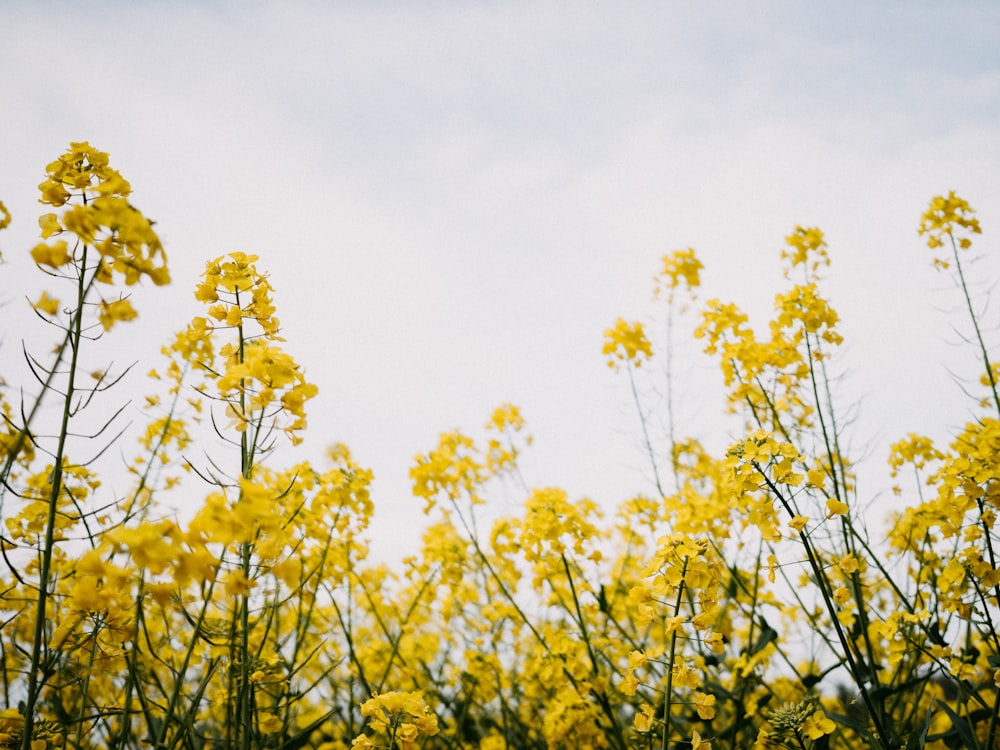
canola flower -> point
(626, 343)
(747, 604)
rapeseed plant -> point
(744, 604)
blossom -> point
(405, 714)
(806, 246)
(626, 343)
(705, 705)
(681, 268)
(818, 724)
(835, 507)
(54, 255)
(944, 216)
(644, 718)
(46, 304)
(798, 523)
(110, 313)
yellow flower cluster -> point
(949, 216)
(403, 719)
(806, 247)
(104, 220)
(256, 379)
(681, 268)
(626, 343)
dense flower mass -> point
(746, 603)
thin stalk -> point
(45, 571)
(85, 690)
(670, 393)
(179, 674)
(244, 694)
(245, 717)
(975, 324)
(848, 537)
(645, 431)
(70, 340)
(670, 663)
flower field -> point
(752, 602)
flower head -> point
(626, 343)
(104, 219)
(681, 268)
(950, 217)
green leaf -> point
(918, 740)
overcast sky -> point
(454, 200)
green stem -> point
(645, 432)
(670, 662)
(975, 324)
(45, 571)
(674, 465)
(24, 433)
(884, 741)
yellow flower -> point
(943, 217)
(636, 659)
(629, 684)
(626, 342)
(704, 704)
(681, 267)
(806, 247)
(385, 710)
(49, 224)
(962, 670)
(268, 723)
(817, 725)
(684, 675)
(110, 313)
(849, 565)
(716, 642)
(835, 507)
(406, 734)
(798, 523)
(46, 304)
(493, 742)
(55, 255)
(644, 719)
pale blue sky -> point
(456, 199)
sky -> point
(455, 200)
